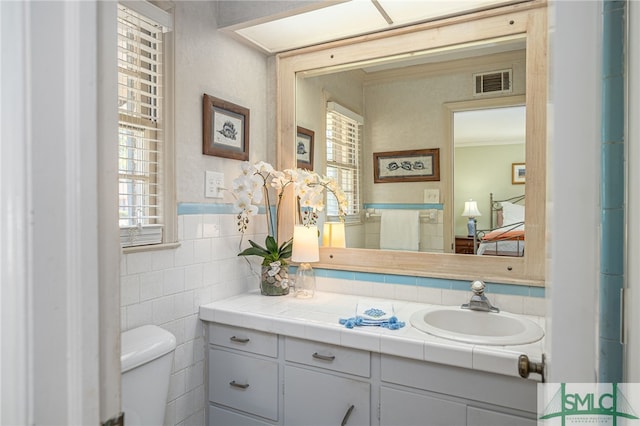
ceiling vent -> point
(492, 82)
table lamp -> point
(333, 235)
(471, 211)
(305, 250)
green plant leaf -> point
(286, 249)
(257, 245)
(254, 251)
(272, 244)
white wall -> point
(209, 62)
(408, 113)
(166, 287)
(573, 190)
(56, 349)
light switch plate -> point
(213, 184)
(432, 196)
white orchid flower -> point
(243, 203)
(264, 167)
(279, 180)
(247, 168)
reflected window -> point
(343, 145)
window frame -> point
(166, 182)
(354, 191)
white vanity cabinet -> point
(418, 392)
(321, 384)
(260, 379)
(243, 376)
(326, 384)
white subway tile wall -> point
(166, 288)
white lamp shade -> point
(471, 209)
(305, 244)
(333, 234)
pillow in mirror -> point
(512, 213)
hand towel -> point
(374, 313)
(400, 230)
(379, 314)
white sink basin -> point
(483, 328)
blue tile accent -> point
(460, 285)
(433, 283)
(344, 275)
(613, 114)
(610, 370)
(368, 276)
(612, 156)
(403, 206)
(204, 208)
(441, 283)
(613, 55)
(400, 279)
(208, 208)
(610, 303)
(514, 290)
(612, 189)
(612, 250)
(536, 292)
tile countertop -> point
(317, 319)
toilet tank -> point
(146, 360)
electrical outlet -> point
(213, 184)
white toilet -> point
(146, 359)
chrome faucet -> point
(479, 301)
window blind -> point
(140, 128)
(343, 142)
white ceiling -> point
(331, 20)
(498, 126)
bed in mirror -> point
(410, 86)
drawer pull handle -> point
(347, 415)
(329, 358)
(238, 385)
(238, 339)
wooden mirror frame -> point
(525, 19)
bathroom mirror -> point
(401, 104)
(524, 23)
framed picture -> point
(420, 165)
(304, 148)
(518, 173)
(225, 130)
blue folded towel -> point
(380, 315)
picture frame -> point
(225, 130)
(304, 148)
(418, 165)
(518, 173)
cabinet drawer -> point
(330, 357)
(221, 417)
(401, 408)
(318, 399)
(244, 339)
(507, 391)
(244, 383)
(481, 417)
